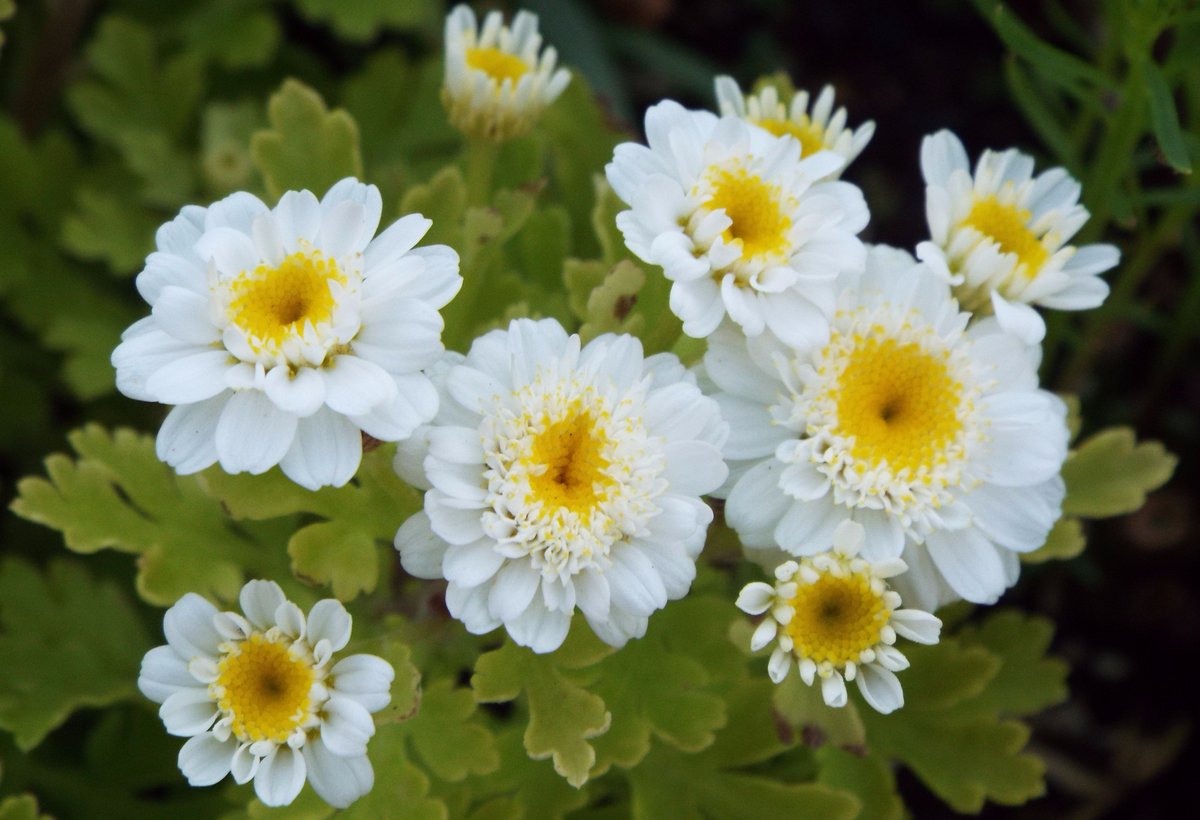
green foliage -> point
(308, 146)
(363, 19)
(7, 9)
(87, 627)
(25, 806)
(1110, 474)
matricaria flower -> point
(497, 84)
(739, 222)
(932, 435)
(259, 695)
(1002, 235)
(562, 477)
(280, 334)
(833, 616)
(822, 129)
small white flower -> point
(1001, 236)
(833, 616)
(562, 477)
(822, 129)
(932, 435)
(280, 334)
(497, 84)
(258, 695)
(739, 222)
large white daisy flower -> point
(738, 222)
(1002, 235)
(822, 129)
(282, 333)
(925, 431)
(497, 83)
(562, 477)
(259, 695)
(833, 616)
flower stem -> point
(481, 167)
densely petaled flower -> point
(259, 695)
(833, 616)
(822, 129)
(281, 333)
(1001, 235)
(925, 431)
(562, 477)
(497, 84)
(738, 222)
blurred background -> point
(1110, 89)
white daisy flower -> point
(259, 695)
(1001, 236)
(562, 477)
(833, 617)
(821, 129)
(738, 221)
(928, 433)
(281, 333)
(497, 83)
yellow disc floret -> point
(757, 209)
(497, 64)
(810, 135)
(264, 688)
(272, 304)
(571, 450)
(900, 404)
(1008, 227)
(837, 619)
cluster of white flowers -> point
(873, 422)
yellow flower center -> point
(572, 451)
(836, 619)
(810, 135)
(1008, 227)
(760, 225)
(497, 64)
(899, 402)
(273, 304)
(266, 690)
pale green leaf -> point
(610, 304)
(118, 495)
(232, 33)
(1110, 473)
(1066, 540)
(363, 19)
(448, 735)
(563, 716)
(308, 146)
(867, 777)
(25, 806)
(66, 642)
(1164, 118)
(1028, 681)
(106, 229)
(338, 553)
(225, 159)
(523, 787)
(803, 709)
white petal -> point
(204, 760)
(280, 777)
(298, 216)
(364, 678)
(778, 665)
(634, 583)
(469, 565)
(300, 392)
(326, 451)
(833, 690)
(230, 250)
(189, 628)
(188, 712)
(355, 386)
(917, 625)
(421, 551)
(764, 633)
(253, 434)
(192, 378)
(969, 563)
(880, 688)
(541, 629)
(187, 439)
(164, 673)
(756, 598)
(512, 590)
(346, 727)
(694, 467)
(259, 601)
(339, 781)
(328, 620)
(397, 240)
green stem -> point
(481, 168)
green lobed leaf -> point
(1027, 680)
(66, 641)
(308, 146)
(610, 303)
(24, 806)
(1164, 118)
(1110, 473)
(802, 708)
(118, 495)
(563, 716)
(105, 229)
(232, 33)
(363, 19)
(523, 788)
(1066, 540)
(225, 134)
(867, 777)
(448, 735)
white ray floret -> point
(833, 616)
(282, 334)
(1002, 235)
(259, 695)
(932, 435)
(820, 128)
(562, 477)
(741, 224)
(498, 79)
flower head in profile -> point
(562, 477)
(741, 224)
(833, 616)
(931, 434)
(1002, 236)
(259, 695)
(281, 333)
(818, 128)
(499, 80)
